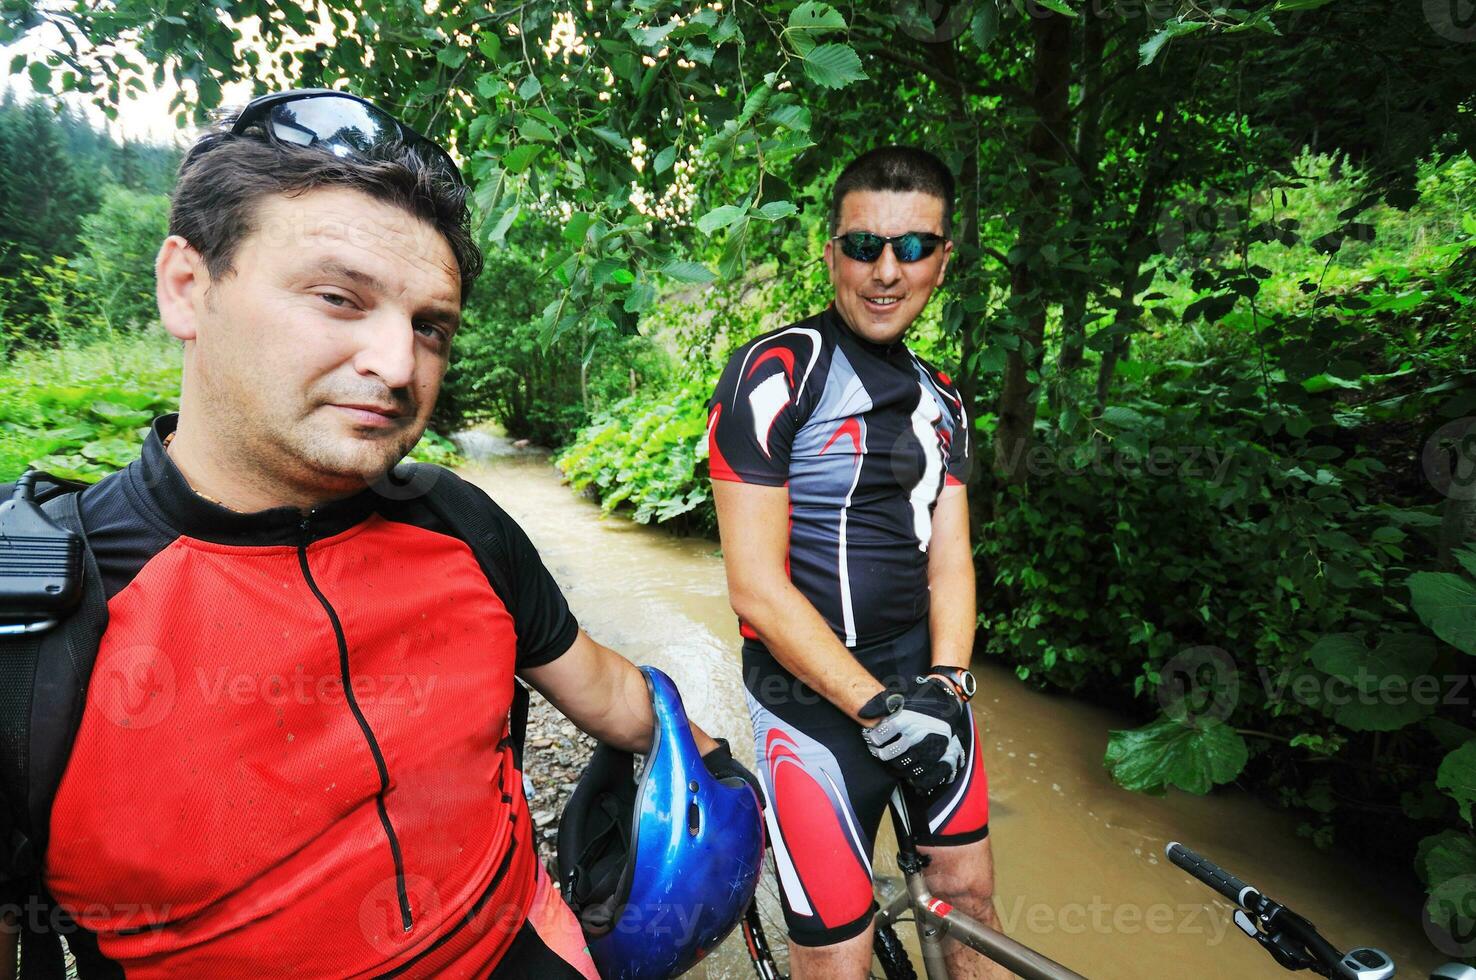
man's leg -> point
(963, 876)
(849, 959)
(826, 797)
(955, 839)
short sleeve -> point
(960, 438)
(544, 623)
(753, 416)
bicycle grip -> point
(1208, 872)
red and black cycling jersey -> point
(865, 436)
(293, 757)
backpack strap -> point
(43, 685)
(461, 507)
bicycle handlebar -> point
(1210, 873)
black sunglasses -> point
(909, 246)
(338, 122)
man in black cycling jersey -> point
(839, 460)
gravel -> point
(554, 756)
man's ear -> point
(830, 257)
(947, 254)
(180, 279)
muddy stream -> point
(1080, 868)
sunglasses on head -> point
(910, 246)
(339, 123)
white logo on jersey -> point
(924, 421)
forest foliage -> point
(1211, 315)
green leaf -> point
(1457, 776)
(833, 66)
(1123, 418)
(985, 24)
(532, 129)
(1166, 753)
(1299, 4)
(810, 20)
(1446, 855)
(1467, 558)
(530, 87)
(40, 74)
(693, 272)
(451, 57)
(504, 222)
(1381, 690)
(1447, 604)
(1059, 6)
(730, 264)
(777, 210)
(665, 160)
(520, 158)
(578, 225)
(793, 117)
(610, 136)
(1150, 48)
(719, 217)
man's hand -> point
(918, 737)
(722, 765)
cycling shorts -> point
(550, 944)
(827, 793)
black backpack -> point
(43, 691)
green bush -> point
(118, 244)
(644, 452)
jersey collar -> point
(161, 485)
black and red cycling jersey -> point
(865, 436)
(294, 756)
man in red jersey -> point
(294, 754)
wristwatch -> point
(961, 678)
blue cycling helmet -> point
(659, 870)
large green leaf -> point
(1448, 854)
(810, 20)
(833, 66)
(1447, 604)
(1166, 753)
(719, 217)
(693, 272)
(1379, 690)
(1457, 776)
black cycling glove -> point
(722, 765)
(918, 737)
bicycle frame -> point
(936, 919)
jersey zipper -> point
(406, 921)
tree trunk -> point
(1045, 151)
(1083, 205)
(1136, 248)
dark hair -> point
(213, 205)
(895, 168)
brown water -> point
(1081, 872)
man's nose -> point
(886, 269)
(388, 349)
